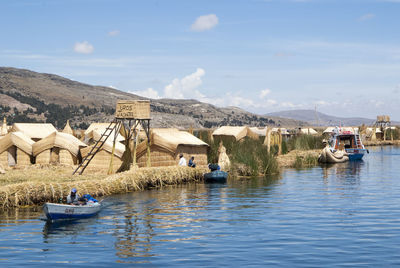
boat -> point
(343, 145)
(216, 176)
(54, 211)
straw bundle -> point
(50, 189)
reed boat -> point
(54, 211)
(216, 176)
(343, 145)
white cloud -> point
(264, 93)
(111, 86)
(83, 47)
(185, 87)
(148, 93)
(114, 33)
(365, 17)
(204, 23)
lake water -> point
(341, 215)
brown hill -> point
(30, 96)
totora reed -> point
(37, 186)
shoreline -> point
(35, 192)
(381, 143)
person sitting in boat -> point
(182, 161)
(191, 162)
(73, 197)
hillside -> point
(323, 119)
(27, 96)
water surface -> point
(340, 215)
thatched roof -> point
(107, 146)
(58, 139)
(284, 131)
(34, 130)
(67, 129)
(308, 131)
(237, 132)
(259, 131)
(18, 139)
(169, 139)
(95, 130)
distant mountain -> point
(27, 96)
(323, 119)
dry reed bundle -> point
(39, 188)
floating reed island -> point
(35, 186)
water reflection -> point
(347, 170)
(64, 228)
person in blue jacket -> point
(191, 162)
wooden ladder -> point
(114, 125)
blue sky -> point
(342, 57)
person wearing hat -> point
(73, 197)
(182, 161)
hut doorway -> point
(55, 155)
(12, 156)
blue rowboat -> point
(216, 176)
(55, 211)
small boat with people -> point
(343, 145)
(55, 211)
(76, 208)
(216, 175)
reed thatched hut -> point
(101, 160)
(95, 130)
(236, 133)
(166, 146)
(15, 149)
(58, 148)
(35, 131)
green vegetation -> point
(248, 157)
(302, 142)
(306, 161)
(392, 134)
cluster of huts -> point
(25, 144)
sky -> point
(340, 57)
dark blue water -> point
(341, 215)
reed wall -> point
(163, 158)
(4, 159)
(23, 159)
(101, 162)
(66, 158)
(43, 157)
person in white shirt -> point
(182, 160)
